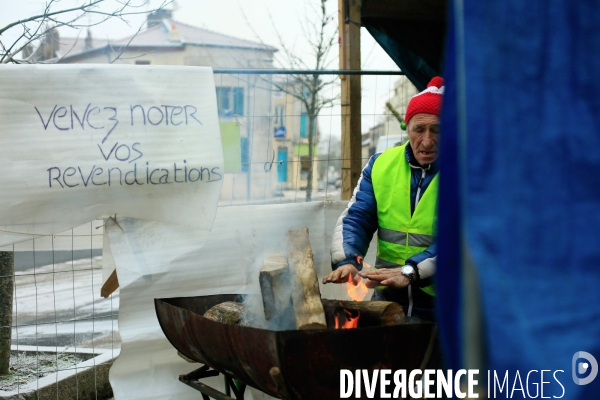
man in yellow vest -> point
(396, 196)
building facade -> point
(291, 139)
(404, 90)
(245, 102)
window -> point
(304, 125)
(279, 116)
(223, 101)
(230, 101)
(238, 101)
(304, 166)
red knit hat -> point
(428, 101)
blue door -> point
(282, 156)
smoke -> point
(272, 308)
(254, 315)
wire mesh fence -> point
(62, 329)
(265, 128)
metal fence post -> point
(6, 306)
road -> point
(60, 305)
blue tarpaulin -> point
(520, 190)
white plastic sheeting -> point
(81, 142)
(158, 261)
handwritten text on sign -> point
(106, 119)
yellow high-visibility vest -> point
(400, 235)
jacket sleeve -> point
(425, 262)
(357, 224)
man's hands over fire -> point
(340, 274)
(378, 277)
(385, 277)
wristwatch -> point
(410, 273)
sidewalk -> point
(60, 305)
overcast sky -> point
(262, 17)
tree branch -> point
(49, 14)
(50, 20)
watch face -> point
(407, 269)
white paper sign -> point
(83, 142)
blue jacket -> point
(357, 224)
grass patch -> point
(29, 366)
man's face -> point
(424, 134)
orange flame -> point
(356, 292)
(350, 322)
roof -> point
(70, 46)
(168, 34)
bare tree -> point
(321, 35)
(37, 36)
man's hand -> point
(385, 277)
(340, 275)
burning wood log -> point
(306, 296)
(230, 312)
(372, 313)
(275, 285)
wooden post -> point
(7, 271)
(349, 18)
(306, 295)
